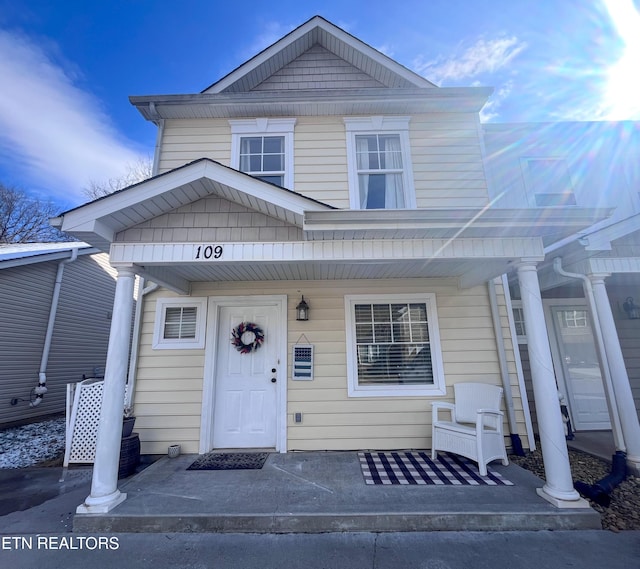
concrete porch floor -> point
(322, 492)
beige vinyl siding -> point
(445, 152)
(80, 337)
(447, 160)
(186, 140)
(320, 156)
(629, 335)
(170, 383)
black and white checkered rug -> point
(416, 467)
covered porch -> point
(314, 492)
(173, 230)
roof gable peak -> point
(318, 32)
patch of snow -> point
(30, 444)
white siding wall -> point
(169, 389)
(80, 335)
(445, 149)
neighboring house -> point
(56, 301)
(582, 164)
(319, 169)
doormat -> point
(416, 467)
(230, 461)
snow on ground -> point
(30, 444)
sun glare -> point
(623, 85)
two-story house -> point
(321, 230)
(590, 282)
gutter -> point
(41, 389)
(601, 490)
(516, 443)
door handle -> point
(273, 380)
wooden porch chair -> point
(475, 426)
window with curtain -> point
(395, 346)
(379, 159)
(380, 171)
(263, 157)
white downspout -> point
(604, 362)
(137, 326)
(42, 375)
(518, 361)
(504, 369)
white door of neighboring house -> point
(576, 358)
(245, 401)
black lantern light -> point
(302, 310)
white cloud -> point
(490, 110)
(484, 56)
(57, 134)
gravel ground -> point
(623, 513)
(42, 444)
(35, 444)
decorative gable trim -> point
(317, 31)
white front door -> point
(245, 402)
(580, 368)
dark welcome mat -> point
(416, 467)
(230, 461)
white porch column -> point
(558, 488)
(104, 484)
(619, 377)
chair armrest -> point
(436, 406)
(483, 413)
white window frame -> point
(354, 389)
(243, 128)
(533, 190)
(379, 125)
(196, 343)
(517, 305)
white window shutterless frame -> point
(393, 346)
(180, 324)
(379, 158)
(263, 148)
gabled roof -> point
(318, 31)
(97, 222)
(366, 82)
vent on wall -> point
(302, 362)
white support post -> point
(558, 488)
(619, 377)
(104, 485)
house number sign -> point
(209, 252)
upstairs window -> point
(263, 157)
(548, 182)
(380, 172)
(263, 148)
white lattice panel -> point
(83, 426)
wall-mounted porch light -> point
(633, 311)
(302, 310)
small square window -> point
(180, 323)
(549, 182)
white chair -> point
(475, 426)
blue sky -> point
(68, 67)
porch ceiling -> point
(467, 271)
